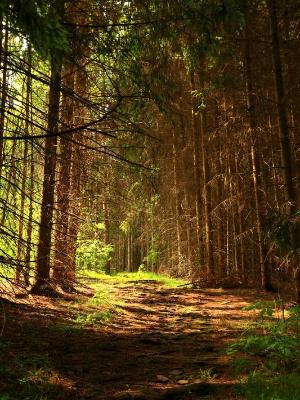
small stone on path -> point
(183, 382)
(162, 378)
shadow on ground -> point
(177, 354)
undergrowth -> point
(28, 377)
(94, 318)
(268, 354)
(98, 309)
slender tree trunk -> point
(232, 214)
(76, 174)
(10, 172)
(197, 168)
(30, 220)
(3, 92)
(24, 172)
(206, 190)
(240, 224)
(75, 214)
(255, 161)
(177, 197)
(106, 233)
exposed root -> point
(199, 389)
(46, 289)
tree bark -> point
(4, 51)
(197, 168)
(286, 153)
(20, 267)
(46, 221)
(206, 190)
(64, 182)
(255, 160)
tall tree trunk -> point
(197, 168)
(64, 181)
(106, 232)
(27, 265)
(206, 190)
(3, 91)
(20, 246)
(75, 212)
(76, 175)
(45, 231)
(80, 111)
(255, 161)
(285, 144)
(175, 158)
(286, 154)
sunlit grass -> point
(134, 276)
(105, 303)
(94, 319)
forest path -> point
(161, 343)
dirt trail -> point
(165, 344)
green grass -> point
(104, 304)
(260, 386)
(206, 374)
(98, 309)
(29, 377)
(269, 353)
(124, 277)
(104, 297)
(93, 319)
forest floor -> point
(119, 340)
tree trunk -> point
(20, 267)
(177, 197)
(45, 230)
(106, 233)
(286, 154)
(285, 144)
(64, 181)
(197, 169)
(3, 92)
(30, 220)
(255, 161)
(206, 189)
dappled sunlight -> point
(157, 340)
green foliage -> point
(152, 255)
(92, 254)
(206, 374)
(277, 387)
(30, 376)
(125, 226)
(270, 353)
(5, 396)
(94, 318)
(142, 268)
(39, 21)
(280, 231)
